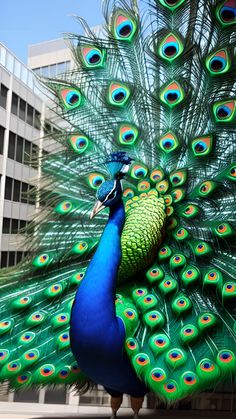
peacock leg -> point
(136, 404)
(115, 405)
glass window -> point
(23, 224)
(22, 109)
(14, 226)
(11, 258)
(16, 191)
(19, 256)
(55, 396)
(34, 156)
(12, 145)
(14, 104)
(67, 65)
(37, 70)
(53, 70)
(8, 188)
(47, 128)
(6, 226)
(45, 71)
(27, 152)
(19, 149)
(2, 132)
(30, 115)
(31, 200)
(10, 62)
(37, 122)
(24, 73)
(24, 190)
(3, 96)
(61, 67)
(17, 68)
(2, 56)
(3, 259)
(26, 396)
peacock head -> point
(110, 191)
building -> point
(50, 58)
(22, 112)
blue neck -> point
(96, 294)
(97, 335)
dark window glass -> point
(2, 131)
(3, 96)
(34, 156)
(23, 224)
(55, 396)
(8, 188)
(18, 256)
(24, 190)
(37, 119)
(12, 145)
(16, 191)
(26, 396)
(27, 152)
(19, 149)
(31, 195)
(3, 259)
(14, 104)
(22, 109)
(30, 115)
(47, 128)
(14, 226)
(11, 259)
(6, 226)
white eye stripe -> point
(110, 193)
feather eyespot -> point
(47, 370)
(170, 47)
(158, 375)
(119, 94)
(226, 12)
(128, 134)
(171, 4)
(95, 180)
(24, 378)
(142, 360)
(70, 97)
(189, 379)
(169, 142)
(207, 366)
(224, 111)
(225, 356)
(130, 314)
(157, 175)
(170, 387)
(63, 374)
(79, 143)
(172, 94)
(138, 171)
(92, 57)
(124, 27)
(131, 344)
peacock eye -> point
(112, 195)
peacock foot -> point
(113, 415)
(136, 415)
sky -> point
(25, 22)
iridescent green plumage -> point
(160, 86)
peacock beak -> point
(96, 209)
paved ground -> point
(126, 414)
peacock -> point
(130, 277)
